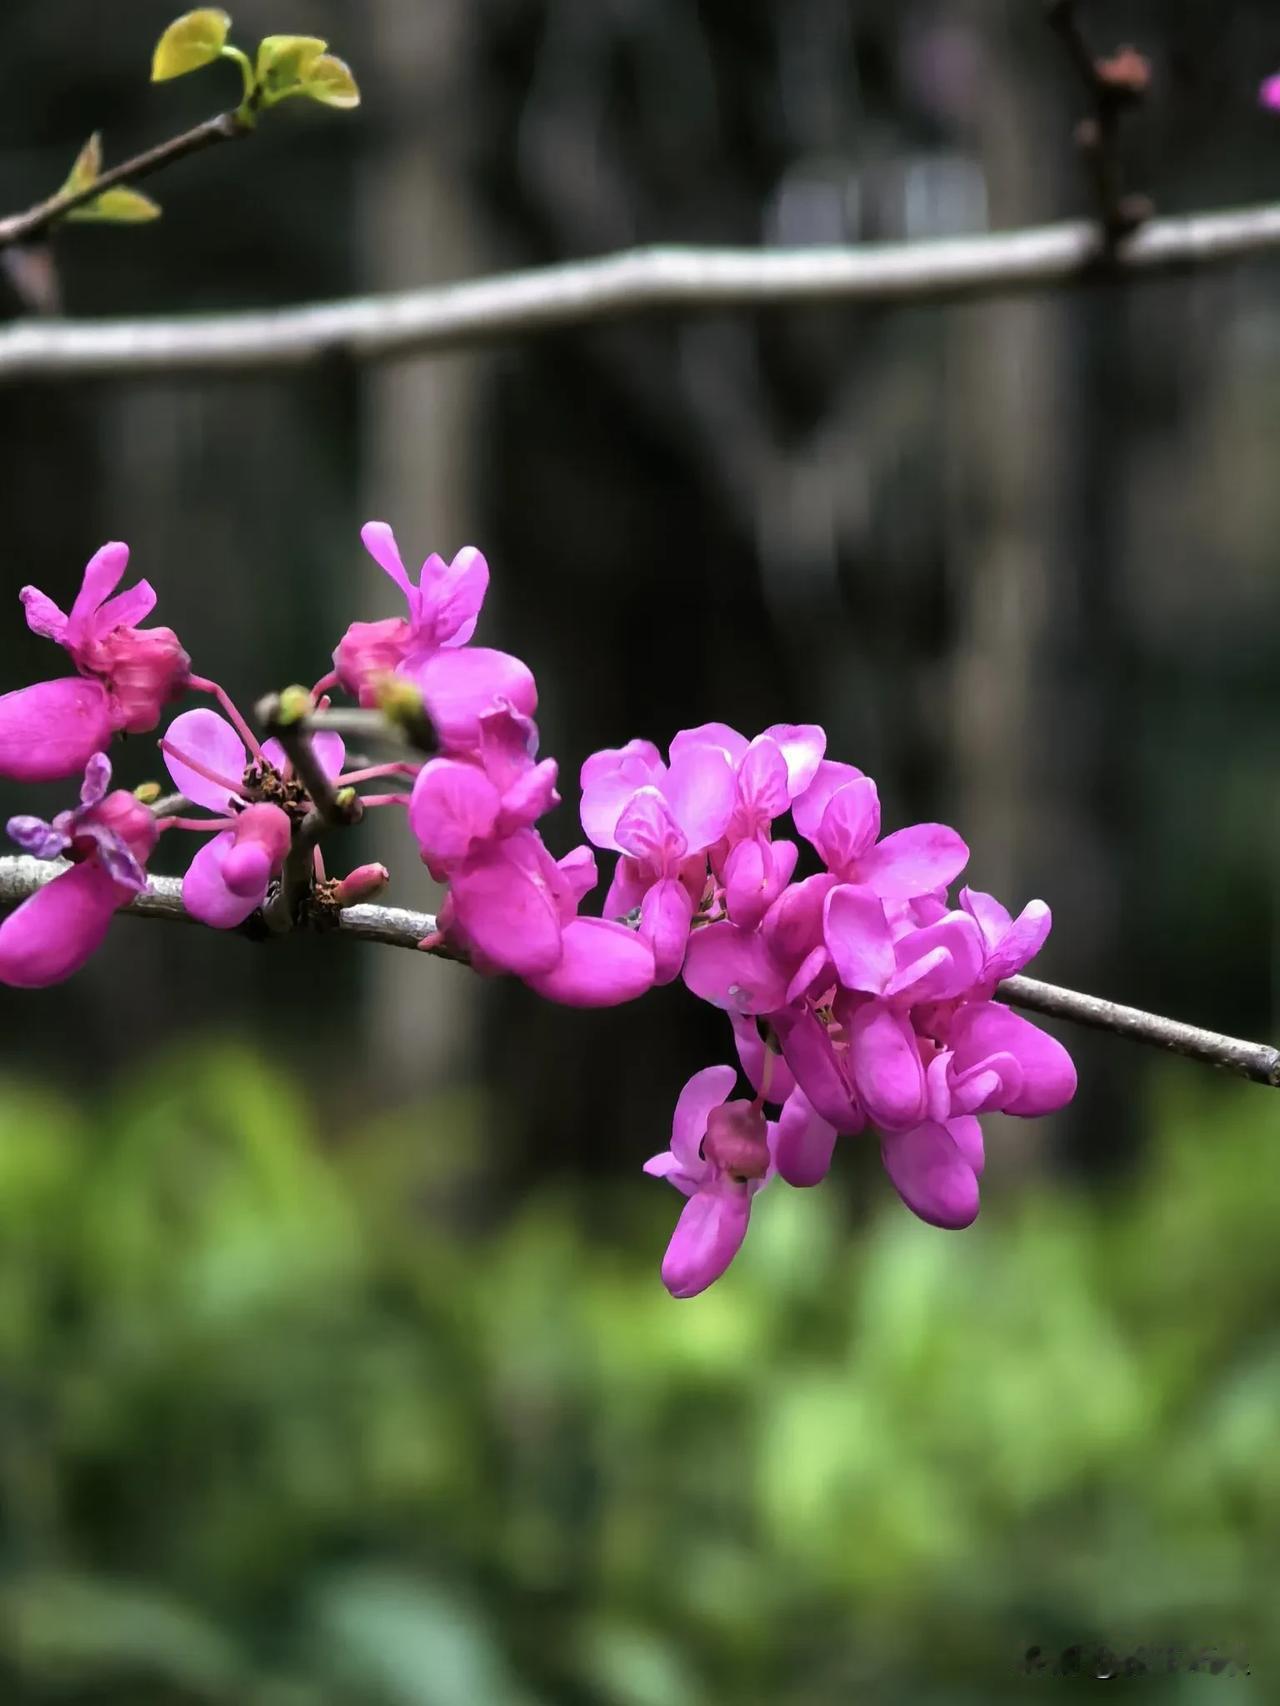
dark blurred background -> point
(334, 1367)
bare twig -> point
(23, 227)
(1113, 86)
(638, 281)
(21, 876)
(408, 730)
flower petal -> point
(504, 907)
(720, 735)
(766, 1069)
(914, 861)
(857, 936)
(706, 1090)
(887, 1070)
(460, 686)
(987, 1028)
(209, 739)
(803, 1143)
(707, 1237)
(601, 964)
(803, 746)
(809, 1053)
(733, 969)
(849, 825)
(205, 893)
(699, 789)
(51, 730)
(103, 574)
(808, 809)
(931, 1175)
(43, 615)
(665, 915)
(453, 810)
(55, 931)
(380, 542)
(452, 595)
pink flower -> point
(458, 806)
(229, 877)
(109, 837)
(719, 1158)
(515, 909)
(839, 813)
(1269, 94)
(935, 1168)
(139, 669)
(662, 819)
(442, 611)
(51, 730)
(1009, 943)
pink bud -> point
(368, 650)
(146, 668)
(737, 1140)
(366, 882)
(130, 820)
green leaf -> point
(284, 61)
(87, 167)
(191, 41)
(329, 81)
(117, 207)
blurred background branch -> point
(580, 293)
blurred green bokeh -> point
(292, 1420)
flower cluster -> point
(857, 993)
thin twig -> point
(23, 227)
(1113, 86)
(21, 876)
(285, 909)
(407, 730)
(638, 281)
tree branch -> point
(637, 281)
(23, 227)
(21, 877)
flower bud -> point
(145, 668)
(366, 882)
(737, 1140)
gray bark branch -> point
(21, 876)
(638, 281)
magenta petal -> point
(578, 872)
(707, 1237)
(809, 1053)
(720, 735)
(699, 789)
(529, 797)
(1269, 94)
(966, 1133)
(51, 730)
(452, 595)
(380, 542)
(803, 1143)
(648, 832)
(810, 807)
(706, 1090)
(802, 746)
(55, 931)
(931, 1175)
(914, 861)
(755, 873)
(205, 893)
(1048, 1072)
(459, 687)
(887, 1070)
(987, 913)
(762, 780)
(506, 910)
(453, 810)
(733, 969)
(43, 615)
(665, 916)
(103, 574)
(793, 923)
(1022, 941)
(940, 962)
(209, 739)
(246, 870)
(857, 936)
(601, 964)
(126, 609)
(767, 1071)
(849, 825)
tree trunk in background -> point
(419, 444)
(1030, 747)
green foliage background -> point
(292, 1420)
